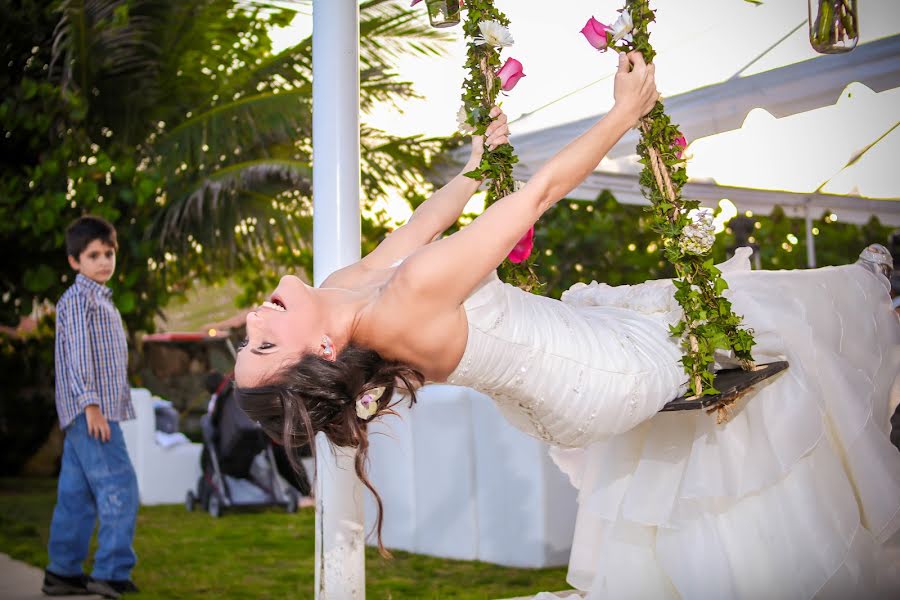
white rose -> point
(463, 125)
(493, 34)
(622, 27)
(699, 236)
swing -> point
(687, 238)
(732, 385)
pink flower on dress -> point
(510, 74)
(595, 33)
(679, 143)
(523, 247)
(414, 2)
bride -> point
(793, 497)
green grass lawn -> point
(253, 555)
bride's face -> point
(279, 332)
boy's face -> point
(97, 262)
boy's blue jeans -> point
(96, 480)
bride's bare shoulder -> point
(433, 346)
(403, 325)
(358, 276)
(347, 277)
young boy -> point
(92, 396)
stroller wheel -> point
(190, 501)
(215, 506)
(292, 502)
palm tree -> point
(195, 90)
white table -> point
(458, 481)
(164, 475)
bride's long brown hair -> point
(315, 394)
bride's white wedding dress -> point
(792, 497)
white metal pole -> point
(340, 558)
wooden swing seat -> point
(731, 383)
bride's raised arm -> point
(446, 271)
(443, 208)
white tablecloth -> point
(164, 475)
(458, 481)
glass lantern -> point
(443, 13)
(833, 25)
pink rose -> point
(510, 74)
(595, 32)
(679, 144)
(523, 247)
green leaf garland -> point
(709, 322)
(480, 91)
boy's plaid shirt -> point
(91, 354)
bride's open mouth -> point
(275, 303)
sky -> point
(699, 42)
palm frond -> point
(304, 6)
(244, 205)
(247, 127)
(389, 30)
(105, 46)
(383, 87)
(240, 208)
(394, 163)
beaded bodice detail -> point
(574, 371)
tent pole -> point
(340, 558)
(810, 239)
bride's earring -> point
(327, 348)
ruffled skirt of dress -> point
(792, 497)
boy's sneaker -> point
(112, 588)
(123, 586)
(58, 585)
(103, 588)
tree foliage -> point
(613, 243)
(177, 122)
(52, 171)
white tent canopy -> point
(771, 123)
(719, 108)
(716, 109)
(723, 106)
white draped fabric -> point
(459, 481)
(791, 498)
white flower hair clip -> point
(367, 404)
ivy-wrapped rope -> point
(486, 29)
(709, 322)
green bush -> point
(27, 404)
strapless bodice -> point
(573, 371)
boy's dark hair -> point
(84, 230)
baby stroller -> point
(238, 462)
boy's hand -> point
(98, 426)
